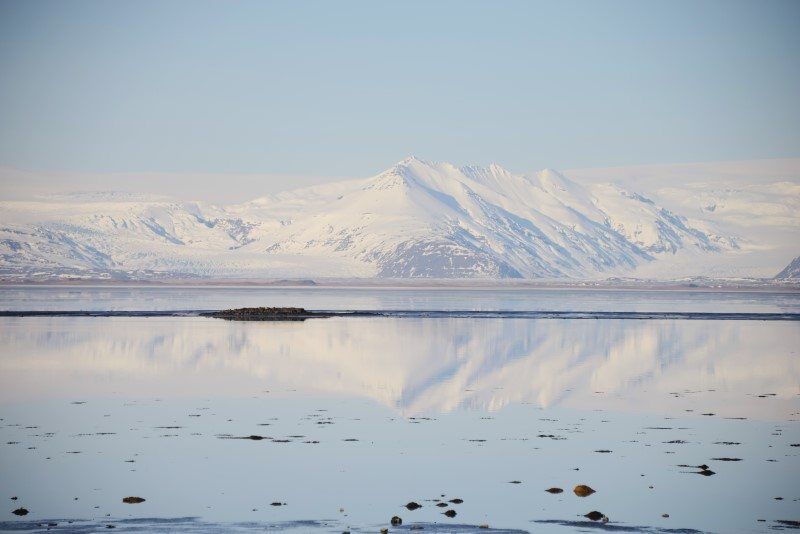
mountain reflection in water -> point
(414, 365)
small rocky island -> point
(264, 314)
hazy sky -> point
(334, 89)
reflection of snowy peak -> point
(430, 366)
(417, 219)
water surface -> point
(362, 415)
(360, 298)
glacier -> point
(417, 219)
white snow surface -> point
(427, 219)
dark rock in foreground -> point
(132, 500)
(263, 314)
(582, 490)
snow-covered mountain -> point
(791, 271)
(416, 219)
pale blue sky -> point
(347, 88)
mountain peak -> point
(550, 179)
(411, 160)
(412, 165)
(499, 169)
(791, 272)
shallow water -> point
(361, 298)
(458, 407)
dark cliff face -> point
(791, 272)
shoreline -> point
(417, 314)
(398, 285)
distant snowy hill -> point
(791, 272)
(757, 202)
(416, 219)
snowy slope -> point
(791, 271)
(416, 219)
(755, 202)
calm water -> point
(205, 298)
(362, 415)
